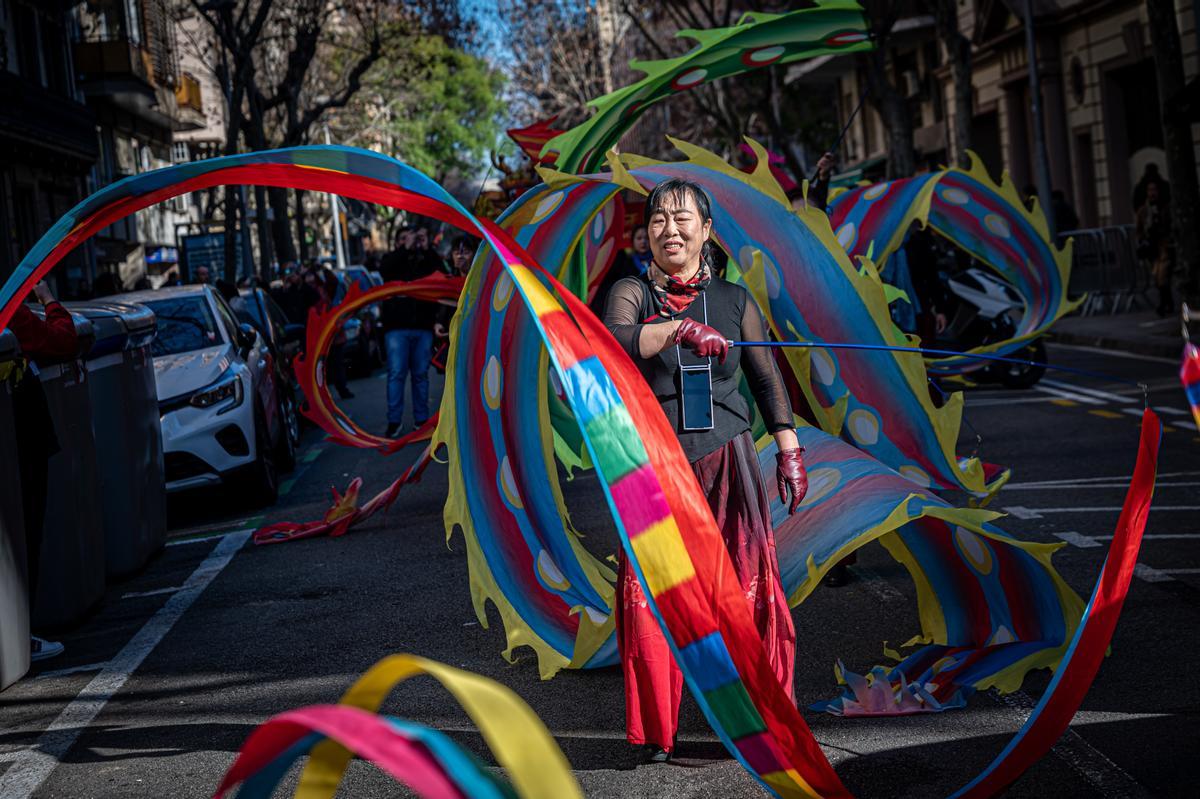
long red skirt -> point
(730, 479)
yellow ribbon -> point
(520, 741)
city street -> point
(159, 688)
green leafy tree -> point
(432, 105)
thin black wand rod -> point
(845, 129)
(949, 353)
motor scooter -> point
(984, 310)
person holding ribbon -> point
(676, 322)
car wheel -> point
(263, 487)
(289, 434)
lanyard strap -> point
(708, 359)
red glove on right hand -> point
(792, 477)
(702, 339)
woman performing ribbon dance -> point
(674, 321)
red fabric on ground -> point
(731, 481)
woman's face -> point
(677, 234)
(462, 259)
(641, 241)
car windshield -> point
(184, 324)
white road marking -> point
(1078, 540)
(1121, 478)
(1121, 486)
(155, 592)
(31, 766)
(1117, 354)
(1172, 411)
(989, 403)
(1021, 512)
(1150, 575)
(1071, 395)
(216, 537)
(1155, 536)
(1086, 760)
(45, 675)
(206, 528)
(1132, 412)
(1094, 392)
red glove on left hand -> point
(791, 476)
(702, 339)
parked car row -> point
(227, 402)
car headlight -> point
(228, 389)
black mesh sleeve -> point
(762, 374)
(621, 313)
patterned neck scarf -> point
(671, 295)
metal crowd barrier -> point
(1106, 266)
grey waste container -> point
(14, 599)
(71, 578)
(127, 433)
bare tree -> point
(566, 53)
(885, 97)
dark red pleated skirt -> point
(730, 479)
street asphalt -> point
(213, 638)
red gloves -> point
(702, 339)
(790, 475)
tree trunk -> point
(1177, 142)
(893, 109)
(285, 245)
(231, 226)
(958, 51)
(266, 254)
(300, 226)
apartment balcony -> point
(120, 74)
(189, 104)
(115, 61)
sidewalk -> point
(1140, 332)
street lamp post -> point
(337, 221)
(1041, 164)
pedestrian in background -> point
(1155, 245)
(41, 341)
(462, 254)
(408, 328)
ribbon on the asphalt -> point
(665, 526)
(422, 758)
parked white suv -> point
(218, 402)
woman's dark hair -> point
(678, 189)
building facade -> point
(1099, 97)
(48, 142)
(126, 55)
